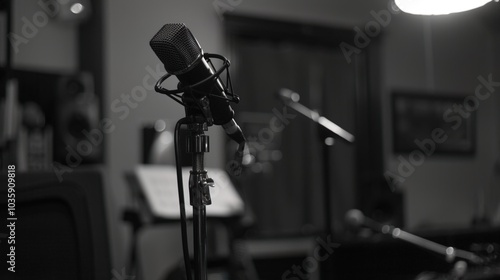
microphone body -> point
(182, 56)
(222, 112)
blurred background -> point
(420, 94)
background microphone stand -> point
(327, 130)
(325, 137)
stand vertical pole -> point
(199, 183)
(326, 269)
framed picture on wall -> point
(434, 123)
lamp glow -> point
(438, 7)
(76, 8)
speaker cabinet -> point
(78, 137)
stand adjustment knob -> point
(209, 182)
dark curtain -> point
(284, 186)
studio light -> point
(77, 8)
(70, 11)
(438, 7)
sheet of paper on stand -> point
(159, 184)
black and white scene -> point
(250, 140)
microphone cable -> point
(182, 206)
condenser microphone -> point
(182, 56)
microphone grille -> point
(176, 47)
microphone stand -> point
(450, 253)
(199, 195)
(326, 146)
(199, 118)
(326, 129)
(356, 218)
